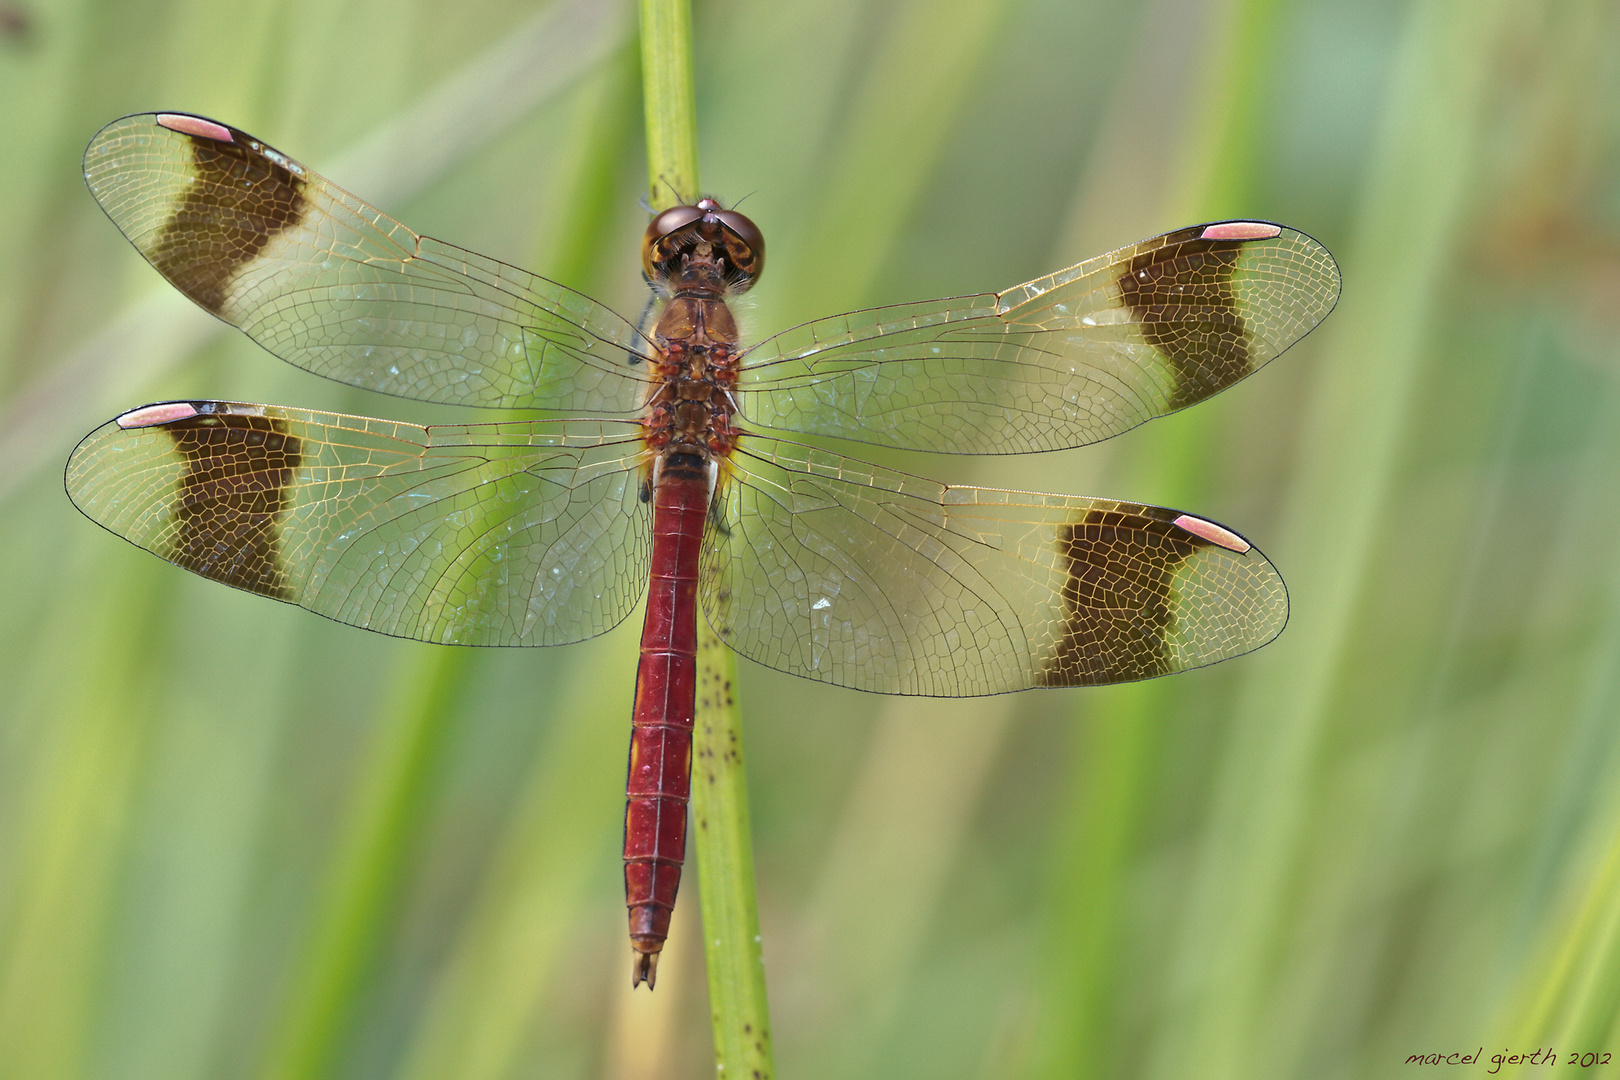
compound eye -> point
(745, 244)
(670, 221)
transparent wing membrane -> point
(335, 286)
(1068, 359)
(539, 533)
(497, 534)
(864, 577)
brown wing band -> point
(1182, 297)
(241, 199)
(1116, 601)
(232, 499)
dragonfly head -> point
(730, 235)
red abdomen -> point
(661, 725)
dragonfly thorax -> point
(690, 404)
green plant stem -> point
(670, 101)
(725, 862)
(725, 865)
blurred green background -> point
(239, 841)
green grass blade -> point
(725, 862)
(732, 948)
(907, 99)
(72, 822)
(1125, 728)
(368, 864)
(1567, 995)
(670, 100)
(390, 164)
(1411, 210)
(546, 871)
(548, 877)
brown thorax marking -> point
(696, 256)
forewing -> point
(497, 534)
(337, 287)
(863, 577)
(1068, 359)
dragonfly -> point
(671, 477)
